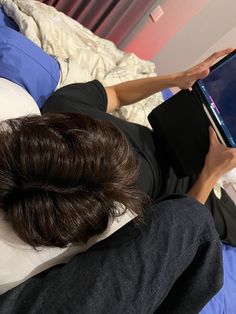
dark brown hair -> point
(61, 176)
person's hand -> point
(220, 159)
(186, 79)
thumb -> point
(213, 137)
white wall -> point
(213, 28)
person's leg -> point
(171, 264)
(26, 64)
(223, 209)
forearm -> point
(132, 91)
(202, 187)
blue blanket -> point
(224, 302)
(24, 63)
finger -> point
(216, 55)
(229, 50)
(213, 137)
(219, 54)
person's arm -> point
(135, 90)
(219, 160)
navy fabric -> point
(170, 265)
(24, 63)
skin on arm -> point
(132, 91)
(219, 160)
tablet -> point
(181, 123)
(217, 93)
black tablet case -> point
(180, 126)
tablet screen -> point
(219, 90)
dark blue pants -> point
(171, 264)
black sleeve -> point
(76, 97)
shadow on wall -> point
(113, 20)
(151, 36)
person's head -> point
(61, 176)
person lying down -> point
(67, 174)
(89, 102)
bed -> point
(43, 24)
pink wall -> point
(153, 36)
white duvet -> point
(82, 55)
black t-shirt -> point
(91, 98)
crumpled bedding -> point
(82, 55)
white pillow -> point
(19, 261)
(15, 101)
